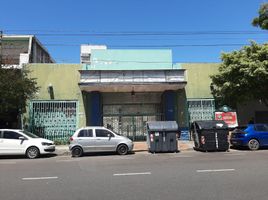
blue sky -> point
(62, 25)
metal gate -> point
(54, 120)
(201, 109)
(130, 119)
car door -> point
(11, 144)
(105, 140)
(86, 139)
(1, 143)
(262, 131)
(266, 134)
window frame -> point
(263, 125)
(87, 131)
(109, 132)
(3, 135)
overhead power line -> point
(1, 36)
(134, 33)
(157, 46)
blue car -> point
(253, 136)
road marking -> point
(7, 163)
(62, 156)
(183, 156)
(67, 160)
(124, 158)
(133, 174)
(39, 178)
(235, 154)
(214, 170)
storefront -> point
(124, 100)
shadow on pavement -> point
(97, 154)
(247, 149)
(7, 157)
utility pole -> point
(1, 53)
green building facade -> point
(121, 90)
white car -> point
(21, 142)
(98, 139)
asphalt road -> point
(185, 176)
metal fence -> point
(130, 119)
(133, 127)
(201, 109)
(54, 120)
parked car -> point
(253, 136)
(21, 142)
(98, 139)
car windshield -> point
(117, 133)
(29, 134)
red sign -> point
(230, 118)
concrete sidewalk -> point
(182, 146)
(138, 147)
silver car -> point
(98, 139)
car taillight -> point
(238, 134)
(71, 139)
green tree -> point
(262, 20)
(243, 76)
(15, 89)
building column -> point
(169, 102)
(93, 108)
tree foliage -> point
(262, 20)
(243, 76)
(15, 89)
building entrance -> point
(129, 117)
(133, 127)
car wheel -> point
(122, 149)
(77, 152)
(32, 152)
(253, 144)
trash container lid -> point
(162, 126)
(210, 124)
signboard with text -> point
(229, 117)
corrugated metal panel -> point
(145, 76)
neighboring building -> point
(201, 102)
(256, 111)
(16, 50)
